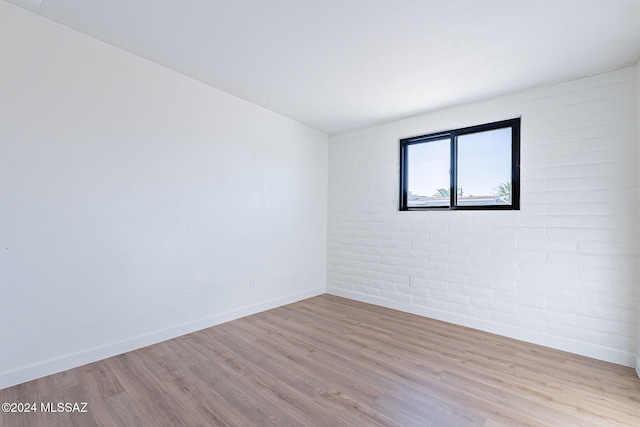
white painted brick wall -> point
(561, 272)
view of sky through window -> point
(484, 170)
(428, 171)
(484, 166)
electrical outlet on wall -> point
(252, 282)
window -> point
(482, 164)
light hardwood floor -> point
(329, 361)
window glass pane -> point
(484, 168)
(428, 173)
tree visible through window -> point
(481, 162)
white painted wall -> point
(638, 207)
(135, 203)
(561, 272)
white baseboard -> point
(558, 343)
(31, 372)
(638, 365)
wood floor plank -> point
(329, 361)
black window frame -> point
(453, 135)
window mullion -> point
(453, 172)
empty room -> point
(320, 213)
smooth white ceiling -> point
(341, 64)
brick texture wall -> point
(561, 272)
